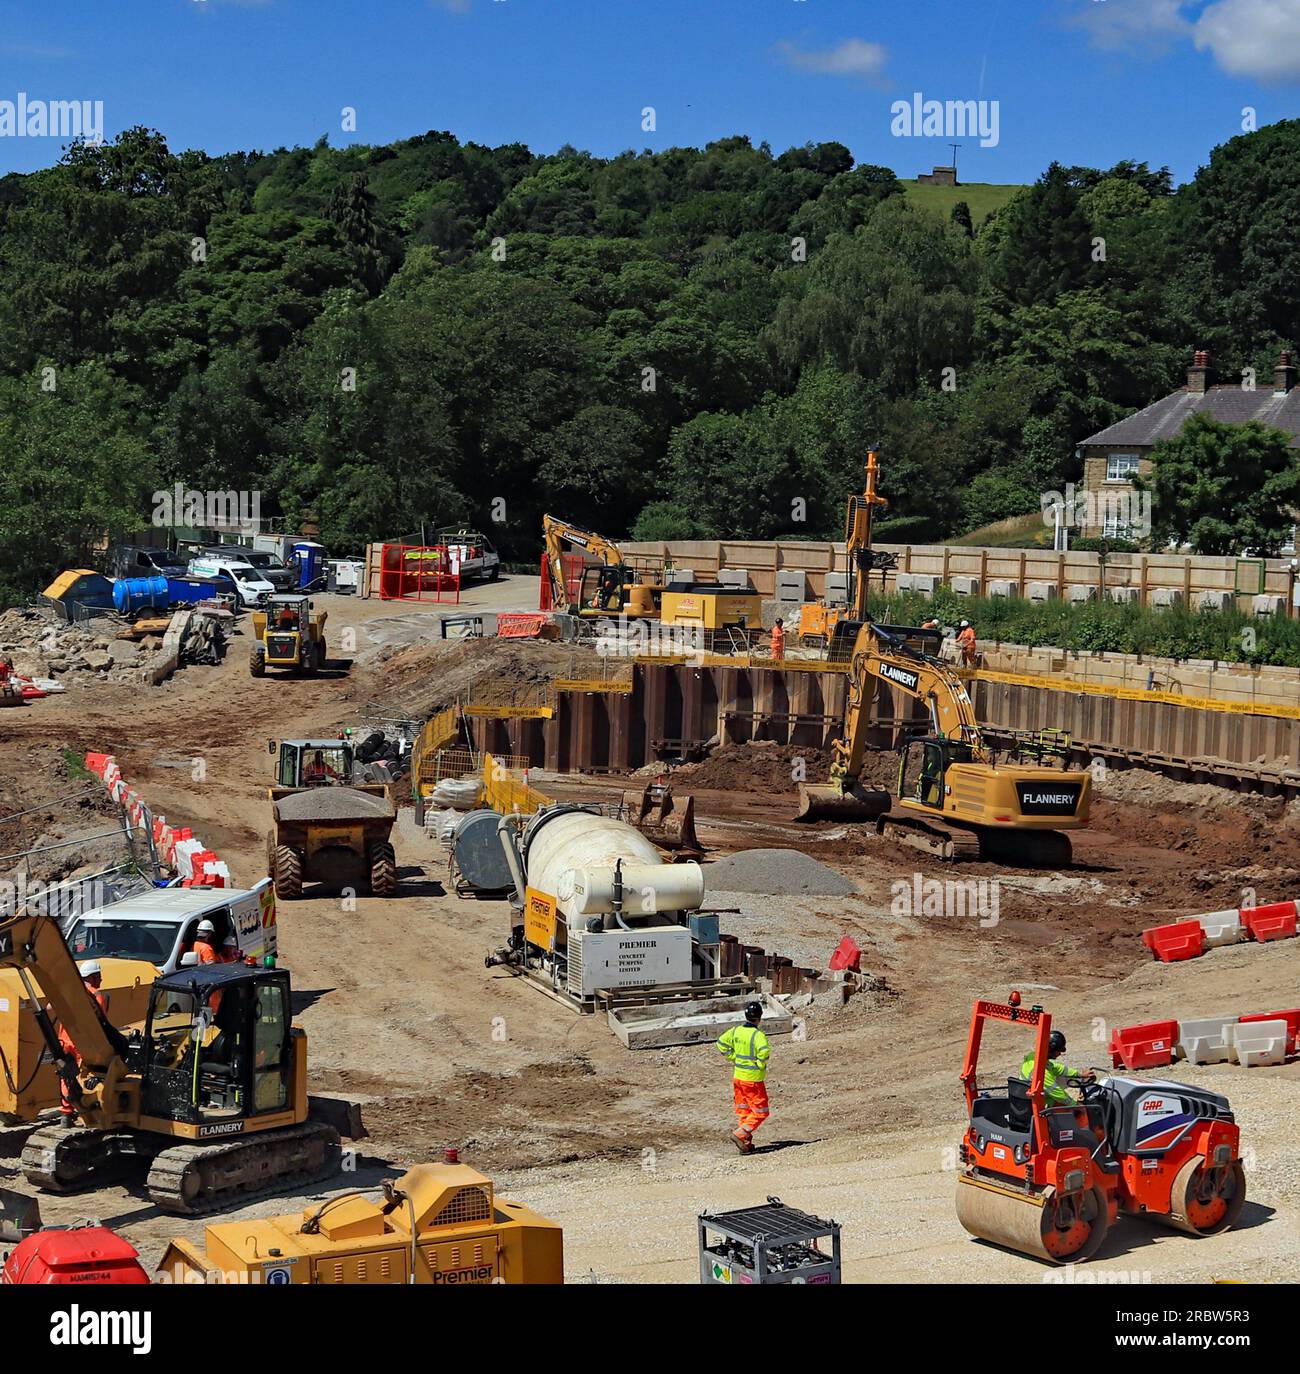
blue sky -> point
(1081, 81)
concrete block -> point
(673, 576)
(1215, 601)
(1268, 605)
(1221, 928)
(1207, 1040)
(1123, 595)
(966, 586)
(1042, 591)
(792, 585)
(1166, 598)
(1003, 587)
(1255, 1043)
(1077, 594)
(837, 586)
(925, 583)
(733, 577)
(903, 582)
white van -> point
(249, 585)
(160, 926)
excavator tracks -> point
(190, 1180)
(67, 1159)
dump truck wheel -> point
(321, 660)
(257, 662)
(288, 873)
(383, 870)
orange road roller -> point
(1049, 1180)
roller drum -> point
(1046, 1226)
(1205, 1201)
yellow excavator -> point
(211, 1094)
(954, 796)
(608, 588)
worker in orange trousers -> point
(747, 1050)
(92, 977)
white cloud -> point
(1252, 38)
(1133, 25)
(851, 57)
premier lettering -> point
(75, 1327)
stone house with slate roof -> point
(1114, 455)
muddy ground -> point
(625, 1148)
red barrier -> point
(1149, 1046)
(519, 624)
(1169, 944)
(1292, 1019)
(847, 955)
(1276, 921)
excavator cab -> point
(217, 1047)
(923, 766)
(604, 588)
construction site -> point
(513, 867)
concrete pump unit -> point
(600, 921)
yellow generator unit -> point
(711, 606)
(441, 1221)
(29, 1082)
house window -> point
(1121, 467)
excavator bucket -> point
(830, 803)
(663, 819)
(20, 1215)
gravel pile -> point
(776, 872)
(332, 804)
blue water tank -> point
(136, 593)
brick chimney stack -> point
(1283, 374)
(1198, 375)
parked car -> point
(271, 566)
(248, 584)
(138, 560)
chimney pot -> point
(1198, 375)
(1284, 374)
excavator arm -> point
(879, 656)
(34, 946)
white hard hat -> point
(206, 927)
(189, 959)
(965, 624)
(89, 968)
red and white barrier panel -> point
(193, 861)
(1262, 1037)
(1192, 936)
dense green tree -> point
(1225, 488)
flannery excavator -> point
(954, 796)
(211, 1095)
(609, 588)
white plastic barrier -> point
(1255, 1043)
(185, 852)
(1221, 927)
(1207, 1040)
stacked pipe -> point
(194, 863)
(1192, 936)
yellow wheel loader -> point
(288, 634)
(211, 1095)
(328, 828)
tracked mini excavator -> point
(1049, 1181)
(211, 1095)
(954, 797)
(609, 588)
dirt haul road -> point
(625, 1149)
